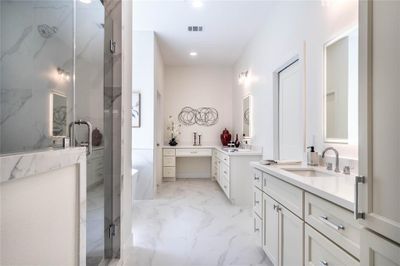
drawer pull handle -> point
(255, 227)
(277, 208)
(256, 178)
(329, 223)
(225, 172)
(193, 152)
(323, 262)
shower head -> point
(46, 31)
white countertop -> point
(241, 152)
(337, 188)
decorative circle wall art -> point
(203, 116)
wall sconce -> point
(63, 74)
(243, 76)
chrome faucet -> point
(337, 170)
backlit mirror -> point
(246, 117)
(341, 88)
(58, 112)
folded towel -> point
(279, 162)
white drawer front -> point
(225, 171)
(288, 195)
(169, 161)
(168, 171)
(319, 250)
(225, 186)
(257, 178)
(225, 158)
(333, 221)
(258, 228)
(257, 201)
(169, 152)
(193, 152)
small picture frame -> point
(136, 109)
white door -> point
(379, 149)
(377, 251)
(291, 238)
(271, 229)
(159, 140)
(291, 109)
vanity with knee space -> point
(229, 169)
(304, 215)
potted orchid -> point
(174, 130)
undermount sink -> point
(307, 172)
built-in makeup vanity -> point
(230, 169)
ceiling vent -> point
(195, 28)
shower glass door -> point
(60, 65)
(97, 101)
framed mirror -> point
(246, 116)
(58, 115)
(341, 88)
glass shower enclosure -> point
(60, 76)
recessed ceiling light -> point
(197, 3)
(86, 1)
(193, 54)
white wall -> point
(159, 110)
(205, 86)
(148, 75)
(288, 26)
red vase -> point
(225, 137)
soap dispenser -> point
(312, 157)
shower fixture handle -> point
(89, 142)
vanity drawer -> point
(193, 152)
(169, 161)
(288, 195)
(319, 250)
(225, 158)
(333, 221)
(225, 186)
(225, 171)
(257, 178)
(257, 201)
(258, 228)
(169, 172)
(169, 152)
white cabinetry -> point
(379, 92)
(377, 251)
(169, 165)
(300, 228)
(271, 225)
(231, 172)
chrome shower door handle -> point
(89, 135)
(90, 142)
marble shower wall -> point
(36, 38)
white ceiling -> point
(228, 26)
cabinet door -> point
(291, 238)
(376, 250)
(271, 228)
(379, 132)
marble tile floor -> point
(192, 223)
(95, 225)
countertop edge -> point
(245, 153)
(306, 187)
(15, 166)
